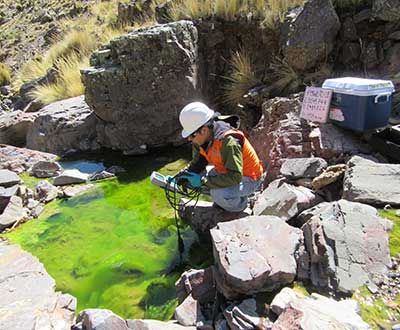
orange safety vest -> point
(252, 166)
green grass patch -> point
(30, 181)
(394, 236)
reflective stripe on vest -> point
(252, 166)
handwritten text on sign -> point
(316, 104)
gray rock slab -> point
(254, 254)
(244, 316)
(197, 282)
(372, 183)
(8, 178)
(202, 216)
(330, 141)
(64, 126)
(156, 325)
(100, 319)
(70, 177)
(188, 313)
(315, 312)
(296, 168)
(138, 91)
(13, 212)
(77, 190)
(45, 191)
(284, 200)
(45, 169)
(347, 243)
(28, 297)
(19, 160)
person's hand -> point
(193, 178)
(170, 178)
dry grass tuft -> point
(284, 80)
(75, 42)
(5, 75)
(232, 9)
(68, 84)
(241, 79)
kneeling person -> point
(237, 169)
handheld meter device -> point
(160, 180)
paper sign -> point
(315, 106)
(336, 114)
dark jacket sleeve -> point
(231, 153)
(198, 163)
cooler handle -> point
(387, 94)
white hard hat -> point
(193, 116)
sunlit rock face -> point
(139, 84)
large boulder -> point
(386, 10)
(139, 84)
(368, 182)
(284, 200)
(309, 33)
(19, 160)
(28, 297)
(346, 245)
(315, 312)
(14, 126)
(253, 254)
(64, 126)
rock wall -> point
(138, 85)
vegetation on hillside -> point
(4, 74)
(267, 10)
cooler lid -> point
(359, 86)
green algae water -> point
(114, 246)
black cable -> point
(175, 189)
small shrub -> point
(241, 79)
(5, 75)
